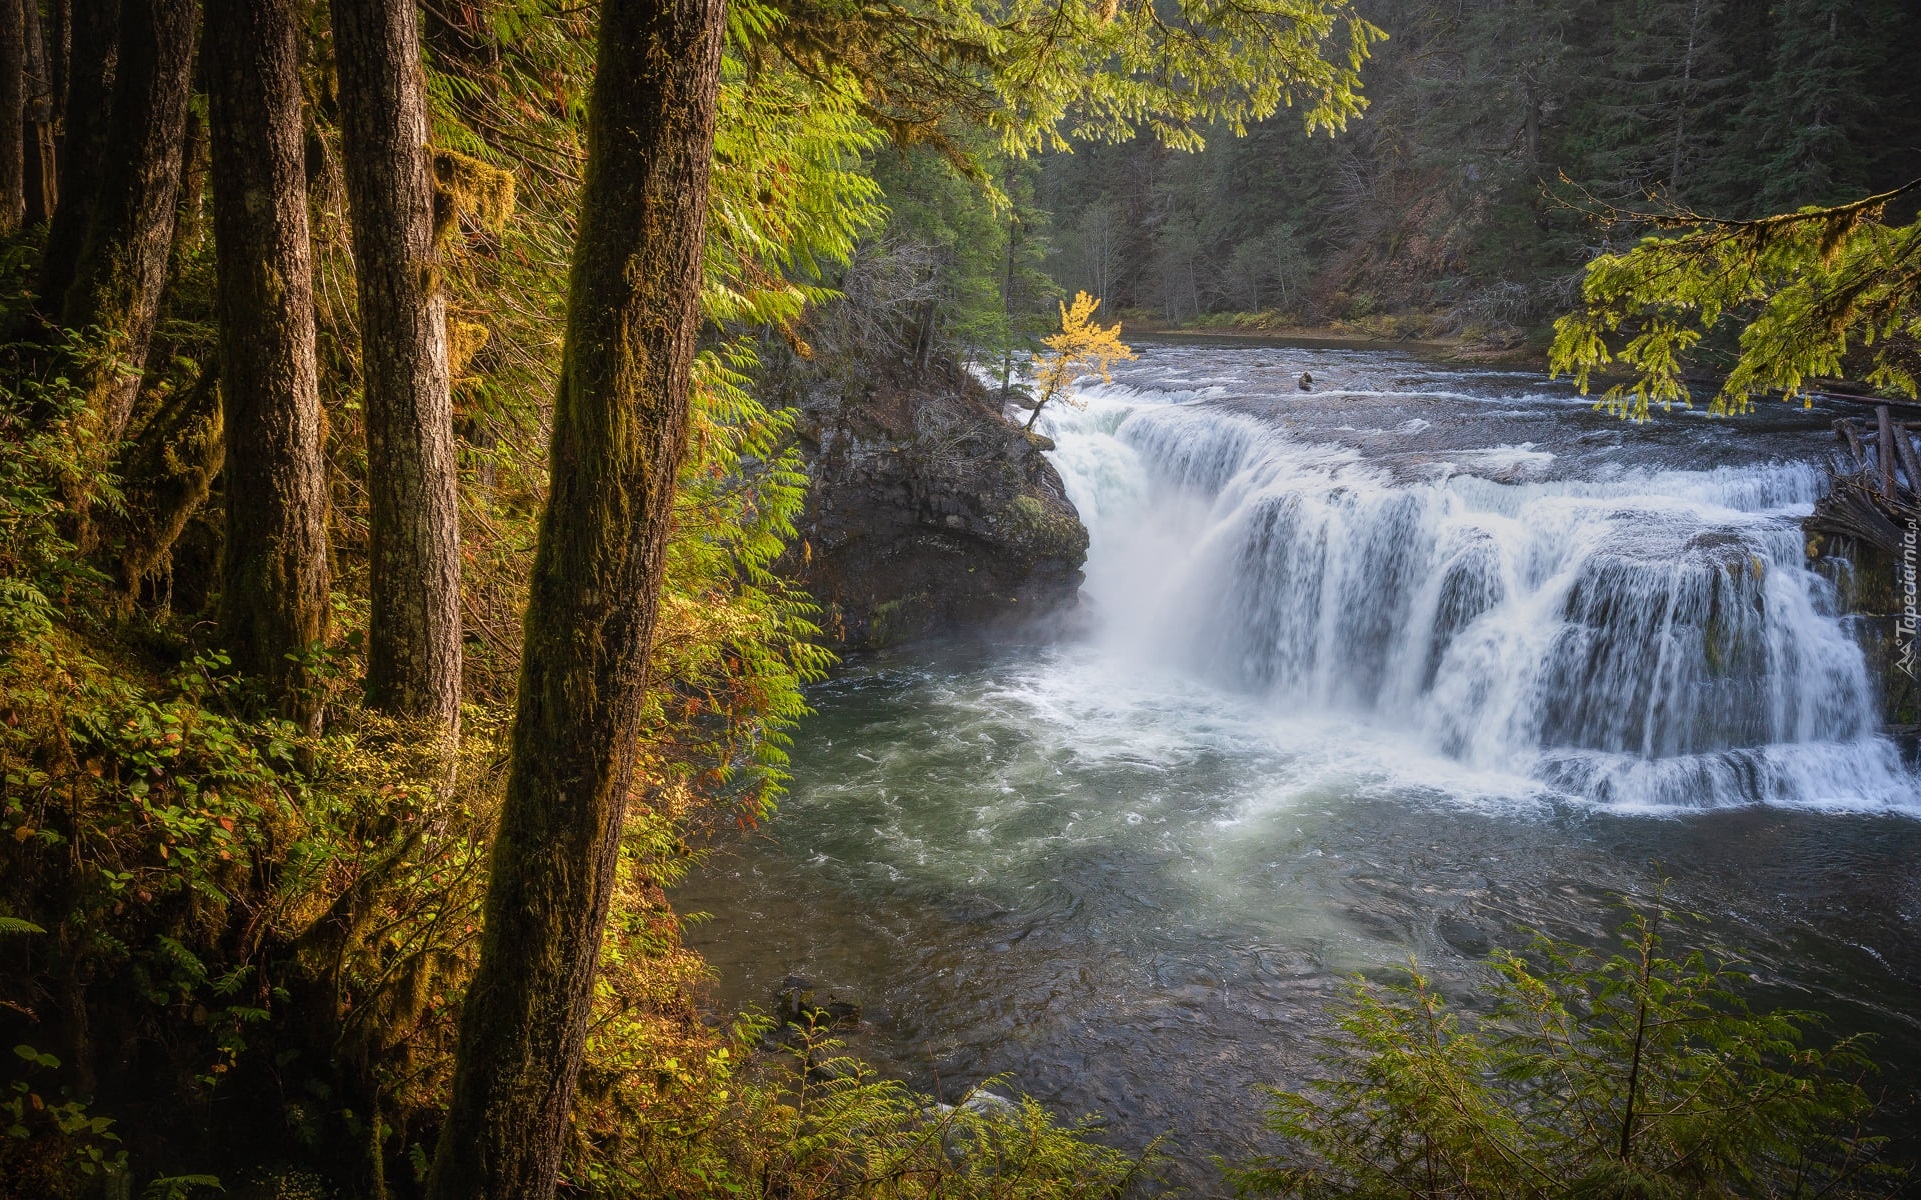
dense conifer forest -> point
(1494, 135)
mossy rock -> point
(1044, 532)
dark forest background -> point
(1461, 202)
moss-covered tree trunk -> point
(413, 642)
(123, 257)
(620, 433)
(13, 115)
(274, 575)
(83, 96)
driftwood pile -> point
(1876, 495)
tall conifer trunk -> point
(123, 257)
(413, 644)
(83, 98)
(274, 576)
(13, 115)
(59, 52)
(40, 164)
(620, 434)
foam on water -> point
(1646, 639)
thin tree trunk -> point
(1884, 450)
(620, 434)
(1679, 157)
(413, 643)
(187, 226)
(1007, 302)
(84, 96)
(13, 115)
(274, 575)
(1910, 460)
(1531, 127)
(59, 50)
(123, 260)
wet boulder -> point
(794, 1005)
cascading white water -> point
(1640, 638)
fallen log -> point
(1885, 450)
(1845, 427)
(1910, 461)
(1852, 509)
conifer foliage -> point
(1820, 293)
(247, 946)
(1593, 1074)
(388, 598)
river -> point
(1399, 668)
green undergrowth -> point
(232, 951)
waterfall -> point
(1635, 638)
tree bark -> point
(83, 96)
(274, 574)
(40, 165)
(1884, 450)
(1910, 461)
(59, 52)
(13, 115)
(413, 642)
(123, 259)
(620, 434)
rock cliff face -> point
(929, 514)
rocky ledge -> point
(929, 513)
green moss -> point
(467, 187)
(1046, 532)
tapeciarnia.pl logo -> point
(1905, 627)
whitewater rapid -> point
(1591, 624)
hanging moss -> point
(166, 477)
(467, 187)
(464, 340)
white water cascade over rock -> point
(1614, 626)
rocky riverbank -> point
(929, 513)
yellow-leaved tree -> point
(1080, 348)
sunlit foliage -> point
(1816, 294)
(1082, 347)
(296, 911)
(1038, 72)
